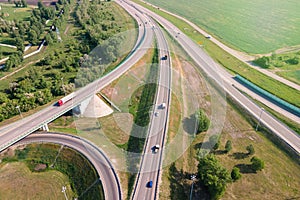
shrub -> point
(257, 164)
(235, 174)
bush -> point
(203, 121)
(215, 141)
(235, 174)
(250, 149)
(213, 175)
(257, 164)
(292, 61)
(263, 62)
(228, 146)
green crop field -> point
(252, 26)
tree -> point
(257, 164)
(3, 98)
(228, 146)
(40, 5)
(203, 121)
(19, 44)
(24, 3)
(250, 149)
(49, 39)
(235, 174)
(13, 61)
(33, 37)
(213, 176)
(264, 62)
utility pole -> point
(18, 107)
(64, 188)
(262, 110)
(193, 177)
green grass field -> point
(291, 75)
(5, 51)
(18, 182)
(11, 12)
(251, 26)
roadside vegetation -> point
(66, 63)
(45, 158)
(286, 65)
(243, 164)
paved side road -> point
(104, 168)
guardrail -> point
(286, 105)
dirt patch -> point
(40, 167)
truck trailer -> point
(65, 99)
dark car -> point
(150, 184)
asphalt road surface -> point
(151, 161)
(107, 174)
(14, 132)
(20, 129)
(225, 81)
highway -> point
(16, 131)
(225, 81)
(104, 168)
(20, 129)
(151, 161)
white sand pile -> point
(96, 108)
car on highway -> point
(156, 114)
(155, 148)
(150, 184)
(163, 105)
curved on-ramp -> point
(109, 179)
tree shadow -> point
(220, 152)
(198, 145)
(180, 185)
(207, 145)
(177, 184)
(239, 155)
(190, 125)
(245, 168)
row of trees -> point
(278, 61)
(211, 173)
(215, 177)
(21, 3)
